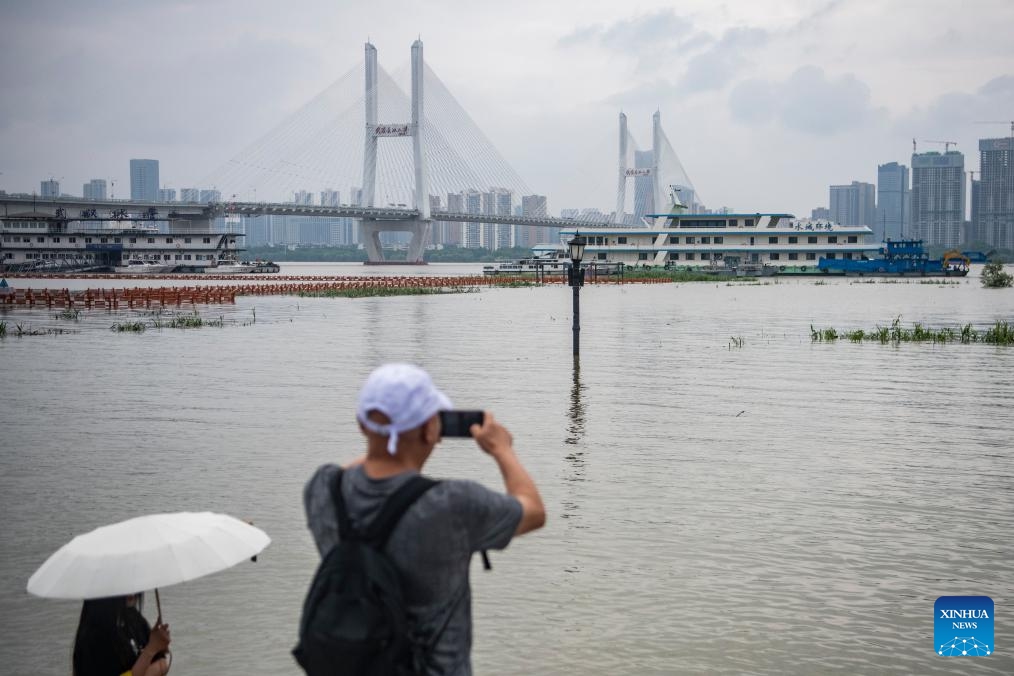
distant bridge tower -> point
(420, 226)
(621, 188)
(658, 198)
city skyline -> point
(784, 86)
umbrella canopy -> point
(146, 552)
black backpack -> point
(354, 618)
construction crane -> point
(947, 144)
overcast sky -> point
(767, 102)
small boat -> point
(231, 267)
(261, 266)
(136, 266)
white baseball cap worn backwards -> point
(405, 394)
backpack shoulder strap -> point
(380, 529)
(344, 525)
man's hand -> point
(491, 436)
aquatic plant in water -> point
(185, 320)
(22, 330)
(993, 276)
(1001, 333)
(131, 327)
(70, 314)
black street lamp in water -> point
(575, 278)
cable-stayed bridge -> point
(396, 155)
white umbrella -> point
(146, 552)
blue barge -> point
(905, 257)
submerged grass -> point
(129, 327)
(185, 320)
(371, 292)
(161, 319)
(1001, 333)
(21, 330)
(70, 314)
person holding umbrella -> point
(113, 639)
(105, 568)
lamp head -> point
(576, 247)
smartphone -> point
(457, 423)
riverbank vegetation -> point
(1001, 333)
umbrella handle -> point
(158, 604)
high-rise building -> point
(854, 204)
(144, 180)
(330, 198)
(438, 230)
(257, 230)
(497, 202)
(818, 214)
(50, 188)
(302, 197)
(313, 230)
(938, 197)
(207, 196)
(167, 194)
(190, 195)
(892, 202)
(973, 224)
(454, 232)
(343, 232)
(993, 217)
(470, 235)
(94, 189)
(535, 206)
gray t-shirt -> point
(431, 547)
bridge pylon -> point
(421, 225)
(653, 171)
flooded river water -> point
(724, 495)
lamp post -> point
(575, 278)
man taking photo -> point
(432, 542)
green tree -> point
(993, 276)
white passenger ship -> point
(30, 242)
(774, 241)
